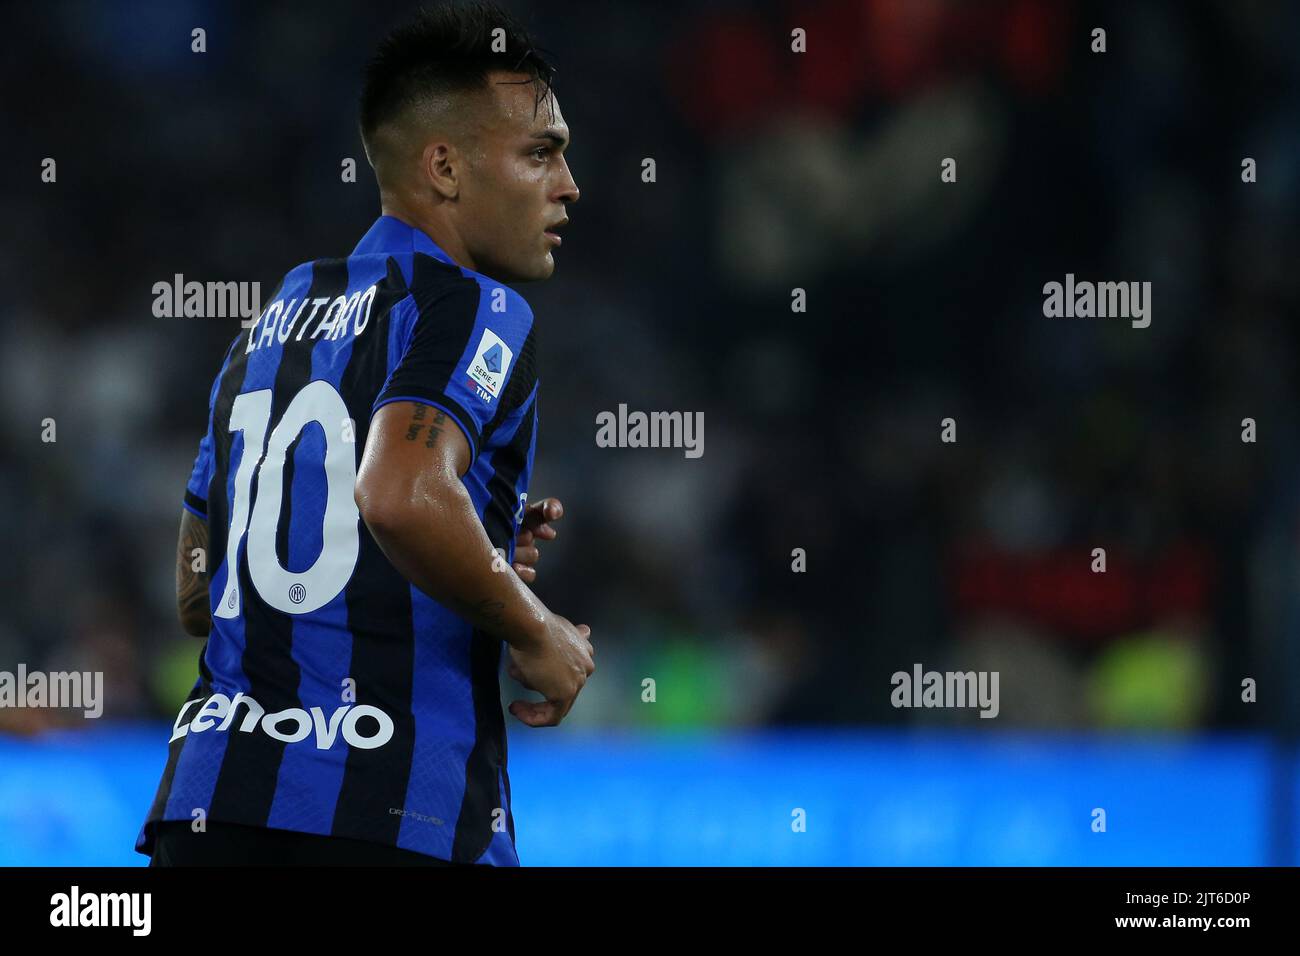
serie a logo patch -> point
(490, 364)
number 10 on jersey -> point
(294, 592)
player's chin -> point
(542, 268)
(535, 265)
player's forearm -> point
(436, 541)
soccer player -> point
(361, 497)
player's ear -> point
(442, 165)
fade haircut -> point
(444, 51)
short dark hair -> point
(446, 49)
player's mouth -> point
(552, 233)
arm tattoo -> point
(419, 413)
(417, 421)
(435, 430)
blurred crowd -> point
(775, 170)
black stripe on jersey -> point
(508, 463)
(487, 758)
(379, 616)
(250, 771)
(195, 502)
(447, 305)
(505, 779)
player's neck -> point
(436, 228)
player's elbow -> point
(392, 507)
(380, 506)
(197, 622)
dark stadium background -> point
(775, 170)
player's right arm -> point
(410, 495)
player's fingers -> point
(522, 710)
(523, 539)
(562, 707)
(546, 509)
(540, 532)
(537, 514)
(527, 555)
(583, 631)
(526, 574)
(536, 713)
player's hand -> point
(557, 668)
(534, 529)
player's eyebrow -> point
(553, 135)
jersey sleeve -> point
(196, 489)
(461, 345)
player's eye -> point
(541, 151)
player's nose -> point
(568, 187)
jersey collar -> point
(389, 234)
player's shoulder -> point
(434, 283)
(300, 275)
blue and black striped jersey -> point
(333, 696)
